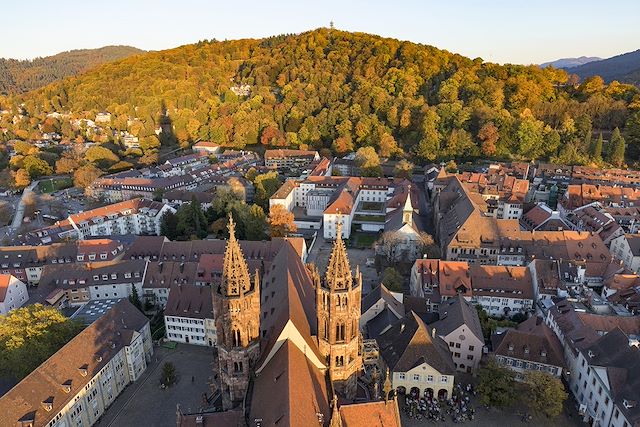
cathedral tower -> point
(236, 304)
(338, 312)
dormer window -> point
(526, 350)
(543, 353)
(591, 354)
(84, 370)
(66, 386)
(629, 403)
(510, 347)
(48, 404)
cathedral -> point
(289, 345)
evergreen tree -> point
(134, 298)
(596, 149)
(169, 225)
(616, 150)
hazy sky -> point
(515, 31)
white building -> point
(501, 290)
(13, 293)
(188, 316)
(530, 347)
(80, 381)
(626, 248)
(136, 216)
(459, 326)
(350, 200)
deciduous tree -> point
(30, 335)
(281, 221)
(496, 385)
(546, 393)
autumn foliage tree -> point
(281, 221)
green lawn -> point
(369, 218)
(360, 239)
(55, 184)
(372, 206)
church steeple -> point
(235, 272)
(236, 306)
(338, 311)
(338, 276)
(407, 210)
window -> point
(469, 356)
(430, 378)
(444, 379)
(457, 345)
(471, 348)
(401, 376)
(416, 377)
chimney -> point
(402, 327)
(433, 333)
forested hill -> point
(338, 90)
(21, 76)
(624, 68)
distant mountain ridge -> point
(570, 62)
(625, 68)
(18, 76)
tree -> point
(265, 185)
(596, 149)
(546, 393)
(428, 246)
(255, 224)
(169, 225)
(66, 165)
(36, 167)
(616, 150)
(100, 155)
(192, 222)
(388, 145)
(489, 135)
(496, 385)
(168, 374)
(368, 161)
(632, 131)
(30, 335)
(22, 178)
(84, 176)
(389, 245)
(134, 298)
(403, 169)
(392, 279)
(281, 221)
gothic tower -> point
(236, 304)
(338, 312)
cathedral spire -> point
(235, 272)
(338, 274)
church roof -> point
(290, 391)
(371, 414)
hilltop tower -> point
(236, 304)
(338, 312)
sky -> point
(515, 31)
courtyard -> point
(194, 368)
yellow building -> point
(419, 360)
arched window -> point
(340, 332)
(326, 329)
(236, 338)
